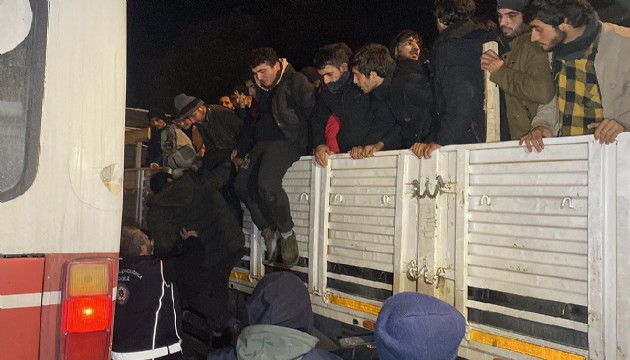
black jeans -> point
(259, 183)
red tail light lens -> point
(87, 309)
(89, 313)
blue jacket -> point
(280, 319)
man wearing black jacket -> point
(405, 89)
(361, 120)
(147, 323)
(458, 77)
(285, 99)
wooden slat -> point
(492, 101)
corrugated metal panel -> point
(526, 260)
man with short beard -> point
(359, 120)
(523, 72)
(590, 63)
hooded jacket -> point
(280, 319)
(459, 83)
(414, 326)
(291, 103)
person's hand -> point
(369, 150)
(356, 152)
(237, 162)
(154, 165)
(242, 100)
(418, 149)
(202, 151)
(247, 101)
(535, 138)
(185, 234)
(491, 61)
(429, 149)
(607, 130)
(322, 152)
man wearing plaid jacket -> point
(590, 66)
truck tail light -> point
(87, 309)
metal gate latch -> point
(439, 273)
(412, 271)
(439, 188)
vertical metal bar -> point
(138, 158)
(596, 251)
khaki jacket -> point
(613, 72)
(527, 83)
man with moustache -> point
(522, 72)
(590, 64)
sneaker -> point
(289, 250)
(270, 237)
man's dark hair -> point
(131, 241)
(555, 12)
(373, 57)
(263, 56)
(332, 54)
(406, 34)
(454, 11)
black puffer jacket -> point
(459, 83)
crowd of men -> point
(560, 70)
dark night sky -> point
(199, 47)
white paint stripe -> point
(20, 301)
(47, 298)
(51, 298)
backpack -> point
(177, 148)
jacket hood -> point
(417, 326)
(285, 65)
(272, 342)
(280, 298)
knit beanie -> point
(417, 326)
(156, 113)
(516, 5)
(185, 105)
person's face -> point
(198, 115)
(157, 123)
(184, 123)
(511, 22)
(226, 102)
(331, 73)
(251, 89)
(546, 35)
(365, 83)
(265, 74)
(408, 49)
